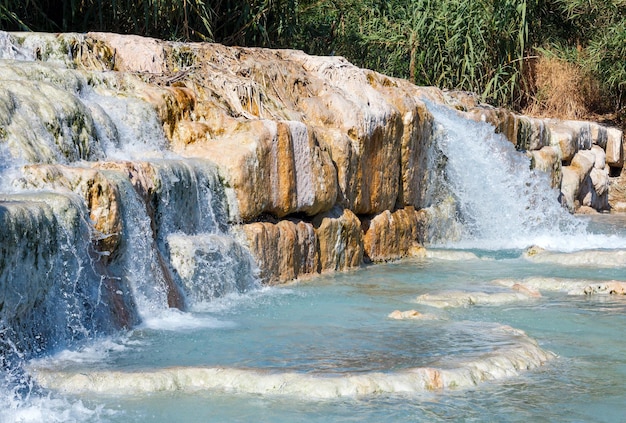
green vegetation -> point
(472, 45)
(493, 47)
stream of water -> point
(491, 333)
(337, 326)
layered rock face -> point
(309, 150)
(320, 166)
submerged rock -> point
(586, 258)
(503, 361)
(570, 286)
(456, 255)
(526, 290)
(410, 315)
(463, 299)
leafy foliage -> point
(159, 18)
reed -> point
(473, 45)
(173, 19)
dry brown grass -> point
(562, 90)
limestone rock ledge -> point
(309, 150)
(333, 241)
(319, 164)
(391, 236)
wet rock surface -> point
(315, 156)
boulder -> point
(283, 251)
(390, 236)
(570, 188)
(532, 134)
(564, 138)
(599, 134)
(600, 181)
(593, 181)
(100, 195)
(600, 157)
(548, 159)
(576, 184)
(614, 148)
(340, 240)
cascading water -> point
(138, 261)
(190, 219)
(53, 293)
(58, 285)
(176, 241)
(500, 201)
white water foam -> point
(235, 301)
(51, 408)
(22, 400)
(175, 320)
(464, 299)
(91, 353)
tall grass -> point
(589, 37)
(473, 45)
(175, 19)
(484, 46)
(243, 22)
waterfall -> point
(52, 291)
(176, 243)
(61, 280)
(138, 262)
(499, 201)
(191, 215)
